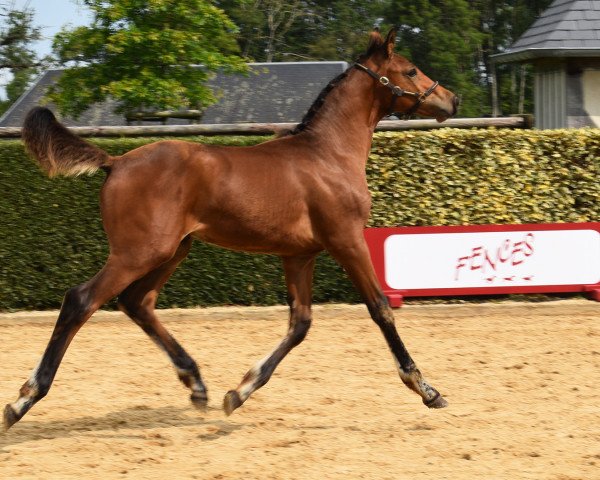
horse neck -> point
(345, 124)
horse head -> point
(403, 89)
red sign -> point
(486, 259)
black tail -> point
(56, 149)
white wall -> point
(591, 95)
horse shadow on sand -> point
(121, 424)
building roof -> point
(568, 28)
(271, 93)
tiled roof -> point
(271, 93)
(567, 28)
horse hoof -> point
(10, 418)
(436, 402)
(231, 401)
(199, 400)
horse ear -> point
(390, 41)
(375, 41)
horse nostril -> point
(456, 103)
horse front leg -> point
(354, 257)
(298, 276)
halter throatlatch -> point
(399, 92)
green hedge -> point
(51, 235)
(457, 177)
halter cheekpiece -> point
(398, 91)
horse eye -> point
(412, 72)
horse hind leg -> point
(78, 306)
(298, 275)
(138, 302)
(75, 311)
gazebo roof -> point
(568, 28)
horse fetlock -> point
(199, 399)
(30, 389)
(192, 379)
(187, 378)
(415, 381)
(412, 379)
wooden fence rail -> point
(271, 128)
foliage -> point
(340, 29)
(282, 30)
(265, 23)
(502, 23)
(140, 51)
(16, 57)
(146, 54)
(455, 177)
(451, 40)
(51, 236)
(442, 37)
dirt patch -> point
(522, 381)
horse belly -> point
(258, 235)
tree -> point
(338, 30)
(279, 30)
(146, 54)
(16, 57)
(452, 40)
(264, 24)
(442, 37)
(502, 23)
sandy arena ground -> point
(522, 381)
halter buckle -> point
(384, 80)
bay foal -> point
(293, 196)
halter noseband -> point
(399, 92)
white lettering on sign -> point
(491, 259)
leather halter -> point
(399, 92)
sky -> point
(50, 16)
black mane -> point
(318, 103)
